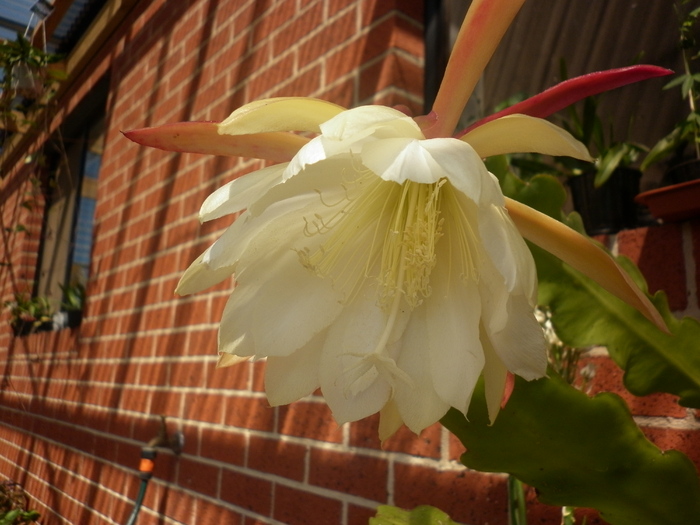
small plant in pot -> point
(28, 79)
(602, 192)
(681, 147)
(29, 314)
(72, 305)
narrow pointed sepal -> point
(204, 138)
(518, 133)
(230, 360)
(583, 255)
(484, 26)
(280, 114)
(570, 91)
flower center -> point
(382, 230)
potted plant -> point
(72, 305)
(29, 314)
(679, 197)
(29, 75)
(682, 144)
(602, 192)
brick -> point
(349, 473)
(294, 507)
(180, 506)
(230, 377)
(658, 251)
(222, 445)
(375, 9)
(188, 374)
(467, 496)
(609, 378)
(208, 512)
(198, 477)
(391, 70)
(687, 441)
(277, 457)
(695, 238)
(310, 420)
(365, 434)
(329, 36)
(258, 376)
(303, 24)
(246, 491)
(204, 407)
(360, 515)
(246, 412)
(302, 85)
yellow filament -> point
(393, 229)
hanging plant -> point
(29, 75)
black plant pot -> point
(22, 327)
(611, 207)
(683, 172)
(75, 317)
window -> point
(75, 158)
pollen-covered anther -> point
(409, 248)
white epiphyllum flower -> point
(382, 263)
(380, 266)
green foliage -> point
(687, 131)
(423, 515)
(27, 79)
(579, 451)
(21, 51)
(13, 503)
(585, 315)
(587, 127)
(26, 307)
(517, 504)
(73, 297)
(583, 121)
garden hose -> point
(148, 456)
(147, 463)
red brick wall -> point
(77, 406)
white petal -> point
(278, 224)
(453, 313)
(399, 160)
(389, 420)
(463, 168)
(279, 114)
(358, 121)
(524, 134)
(520, 344)
(200, 276)
(495, 374)
(278, 304)
(239, 193)
(317, 178)
(309, 154)
(232, 338)
(419, 404)
(226, 360)
(351, 391)
(292, 377)
(508, 250)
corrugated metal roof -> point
(17, 16)
(589, 35)
(593, 35)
